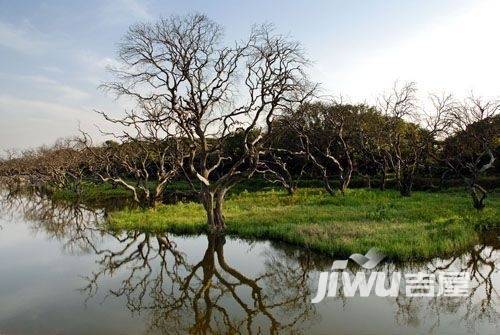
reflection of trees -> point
(75, 224)
(156, 278)
(177, 294)
(210, 296)
(479, 305)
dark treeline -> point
(215, 114)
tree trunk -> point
(478, 195)
(343, 186)
(345, 181)
(383, 180)
(291, 189)
(405, 190)
(327, 185)
(405, 186)
(157, 196)
(212, 202)
(368, 180)
(155, 201)
(405, 176)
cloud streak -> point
(25, 39)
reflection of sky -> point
(53, 53)
(40, 277)
(38, 289)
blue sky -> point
(54, 53)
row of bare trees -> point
(63, 165)
(215, 114)
(401, 137)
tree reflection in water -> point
(481, 262)
(176, 294)
(209, 296)
(74, 224)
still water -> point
(62, 272)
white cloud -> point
(118, 11)
(23, 38)
(30, 123)
(457, 54)
(37, 109)
(49, 86)
(139, 9)
(94, 66)
(51, 69)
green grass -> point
(426, 225)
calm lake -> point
(63, 273)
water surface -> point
(62, 272)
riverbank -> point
(426, 225)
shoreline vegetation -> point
(426, 225)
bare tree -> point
(143, 161)
(409, 143)
(326, 133)
(471, 149)
(205, 91)
(62, 165)
(275, 168)
(372, 146)
(285, 160)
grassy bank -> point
(426, 225)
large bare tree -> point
(182, 74)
